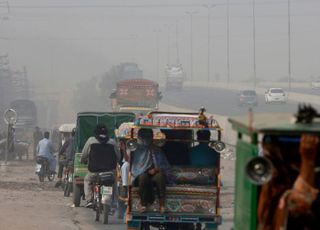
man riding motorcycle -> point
(45, 149)
(101, 155)
(66, 156)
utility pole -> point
(254, 43)
(156, 32)
(289, 45)
(168, 51)
(133, 38)
(228, 41)
(191, 13)
(209, 6)
(177, 44)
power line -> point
(167, 5)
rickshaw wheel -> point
(145, 226)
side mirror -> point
(259, 170)
(218, 146)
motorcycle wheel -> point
(41, 174)
(76, 195)
(97, 212)
(106, 209)
(146, 226)
(51, 176)
(67, 189)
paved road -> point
(307, 91)
(221, 101)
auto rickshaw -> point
(192, 200)
(272, 191)
(86, 123)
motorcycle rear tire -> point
(67, 189)
(76, 195)
(106, 210)
(97, 213)
(41, 174)
(51, 176)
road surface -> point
(222, 101)
(27, 204)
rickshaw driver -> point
(149, 166)
(202, 154)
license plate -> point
(106, 190)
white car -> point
(275, 95)
(315, 84)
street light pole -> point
(133, 38)
(209, 6)
(157, 37)
(228, 41)
(191, 13)
(254, 43)
(289, 45)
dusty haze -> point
(65, 42)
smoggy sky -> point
(62, 42)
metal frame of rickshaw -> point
(136, 220)
(249, 131)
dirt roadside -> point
(29, 204)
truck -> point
(174, 77)
(136, 93)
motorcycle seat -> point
(105, 178)
(40, 160)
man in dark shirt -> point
(101, 155)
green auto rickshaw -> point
(86, 123)
(277, 171)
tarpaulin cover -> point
(87, 121)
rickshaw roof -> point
(175, 121)
(135, 108)
(97, 114)
(273, 123)
(67, 128)
(87, 121)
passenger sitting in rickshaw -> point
(149, 168)
(202, 155)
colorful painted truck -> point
(136, 93)
(86, 123)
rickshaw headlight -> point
(219, 146)
(259, 170)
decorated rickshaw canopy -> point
(173, 120)
(165, 120)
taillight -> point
(96, 188)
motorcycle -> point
(43, 170)
(103, 196)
